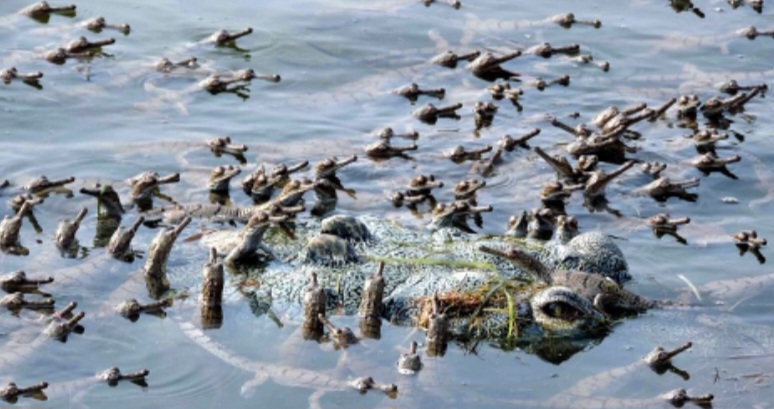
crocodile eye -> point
(562, 311)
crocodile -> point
(347, 249)
(429, 113)
(18, 282)
(487, 66)
(224, 38)
(459, 154)
(748, 240)
(384, 149)
(412, 92)
(662, 224)
(11, 393)
(42, 11)
(42, 186)
(97, 24)
(711, 163)
(131, 309)
(146, 185)
(15, 302)
(410, 362)
(664, 188)
(220, 178)
(211, 299)
(155, 268)
(223, 145)
(65, 234)
(82, 45)
(10, 228)
(30, 78)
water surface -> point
(113, 117)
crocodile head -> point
(113, 375)
(293, 192)
(329, 166)
(456, 215)
(120, 244)
(410, 362)
(108, 201)
(566, 229)
(146, 183)
(263, 186)
(663, 188)
(60, 327)
(221, 177)
(10, 227)
(18, 281)
(155, 268)
(487, 66)
(423, 185)
(466, 189)
(518, 224)
(129, 308)
(42, 11)
(81, 44)
(223, 37)
(42, 184)
(65, 232)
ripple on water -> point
(196, 381)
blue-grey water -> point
(112, 117)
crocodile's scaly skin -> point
(592, 252)
(418, 264)
(213, 212)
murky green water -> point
(113, 117)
